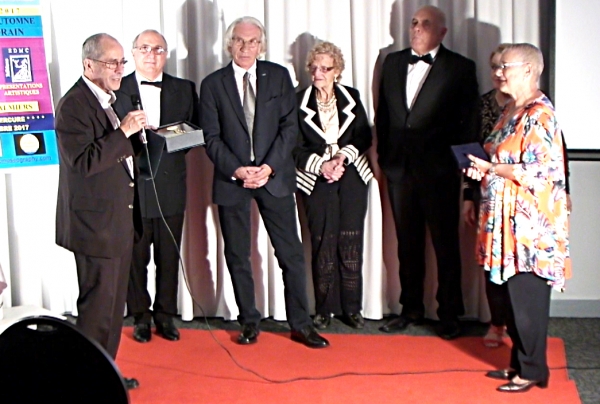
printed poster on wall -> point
(27, 136)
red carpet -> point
(197, 370)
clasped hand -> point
(333, 169)
(253, 177)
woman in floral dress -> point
(523, 220)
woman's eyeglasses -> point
(322, 69)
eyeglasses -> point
(251, 43)
(112, 65)
(505, 66)
(322, 69)
(157, 50)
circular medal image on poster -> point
(29, 144)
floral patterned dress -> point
(523, 223)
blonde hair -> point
(327, 48)
(499, 49)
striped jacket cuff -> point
(314, 163)
(350, 152)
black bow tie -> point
(153, 83)
(425, 58)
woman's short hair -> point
(228, 40)
(327, 48)
(499, 49)
(531, 54)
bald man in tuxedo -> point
(427, 102)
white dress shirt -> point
(150, 96)
(239, 79)
(417, 73)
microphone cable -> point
(301, 378)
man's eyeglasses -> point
(251, 43)
(112, 65)
(322, 69)
(505, 66)
(157, 50)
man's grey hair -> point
(147, 31)
(92, 47)
(228, 40)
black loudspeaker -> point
(47, 360)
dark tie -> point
(153, 83)
(425, 58)
(249, 107)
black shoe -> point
(167, 330)
(249, 334)
(131, 383)
(309, 337)
(321, 321)
(512, 387)
(141, 332)
(354, 320)
(502, 374)
(399, 323)
(448, 330)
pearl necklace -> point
(327, 107)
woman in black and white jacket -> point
(332, 175)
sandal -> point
(494, 337)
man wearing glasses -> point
(97, 213)
(248, 114)
(165, 99)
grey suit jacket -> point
(226, 132)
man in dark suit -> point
(248, 114)
(427, 102)
(97, 213)
(165, 99)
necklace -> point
(327, 107)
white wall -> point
(577, 78)
(582, 296)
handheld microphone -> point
(137, 105)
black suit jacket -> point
(97, 209)
(178, 102)
(226, 132)
(444, 113)
(354, 137)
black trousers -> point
(336, 217)
(101, 302)
(417, 202)
(279, 217)
(528, 300)
(166, 259)
(496, 295)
